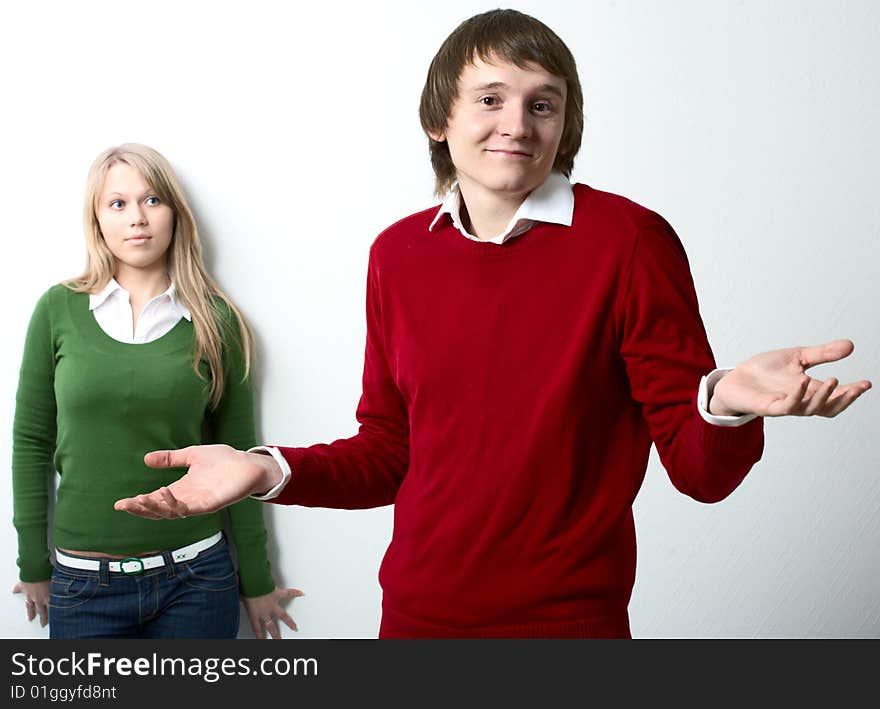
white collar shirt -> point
(552, 201)
(112, 309)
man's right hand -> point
(217, 477)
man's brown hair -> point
(510, 36)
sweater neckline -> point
(535, 237)
(489, 250)
(87, 323)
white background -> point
(751, 126)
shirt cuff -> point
(285, 471)
(707, 386)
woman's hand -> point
(263, 610)
(36, 599)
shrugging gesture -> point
(217, 477)
(775, 383)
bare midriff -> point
(102, 555)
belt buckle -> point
(135, 572)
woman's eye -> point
(116, 204)
(489, 100)
(153, 201)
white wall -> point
(752, 126)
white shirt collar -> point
(96, 300)
(552, 201)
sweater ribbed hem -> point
(35, 565)
(614, 623)
(742, 440)
(254, 574)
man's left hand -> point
(776, 384)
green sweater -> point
(92, 407)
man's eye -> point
(542, 107)
(153, 201)
(489, 100)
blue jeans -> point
(192, 599)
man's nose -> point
(515, 122)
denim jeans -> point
(191, 599)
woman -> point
(142, 351)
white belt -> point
(137, 565)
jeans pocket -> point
(71, 590)
(213, 572)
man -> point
(526, 343)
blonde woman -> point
(142, 351)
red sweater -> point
(510, 397)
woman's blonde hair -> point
(209, 306)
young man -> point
(526, 343)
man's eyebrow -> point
(552, 88)
(490, 85)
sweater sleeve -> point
(665, 350)
(33, 445)
(232, 423)
(367, 469)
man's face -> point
(504, 128)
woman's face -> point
(137, 226)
